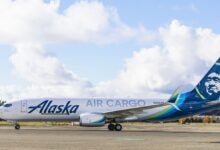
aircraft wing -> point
(132, 111)
(138, 110)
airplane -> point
(97, 112)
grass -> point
(48, 124)
(37, 124)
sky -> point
(105, 48)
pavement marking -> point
(130, 139)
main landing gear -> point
(17, 126)
(114, 127)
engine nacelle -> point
(92, 120)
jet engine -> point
(92, 120)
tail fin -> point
(209, 87)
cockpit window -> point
(7, 105)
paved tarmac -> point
(133, 137)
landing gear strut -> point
(17, 126)
(114, 127)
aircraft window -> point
(7, 105)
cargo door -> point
(24, 106)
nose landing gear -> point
(114, 127)
(15, 124)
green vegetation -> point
(56, 124)
(37, 124)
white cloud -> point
(28, 25)
(46, 75)
(182, 56)
(38, 67)
(83, 21)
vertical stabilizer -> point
(209, 87)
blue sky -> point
(152, 14)
(98, 62)
(156, 13)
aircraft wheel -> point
(17, 127)
(111, 127)
(118, 127)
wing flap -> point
(132, 111)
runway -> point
(133, 137)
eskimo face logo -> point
(212, 84)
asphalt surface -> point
(133, 137)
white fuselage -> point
(70, 109)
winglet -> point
(174, 96)
(173, 99)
